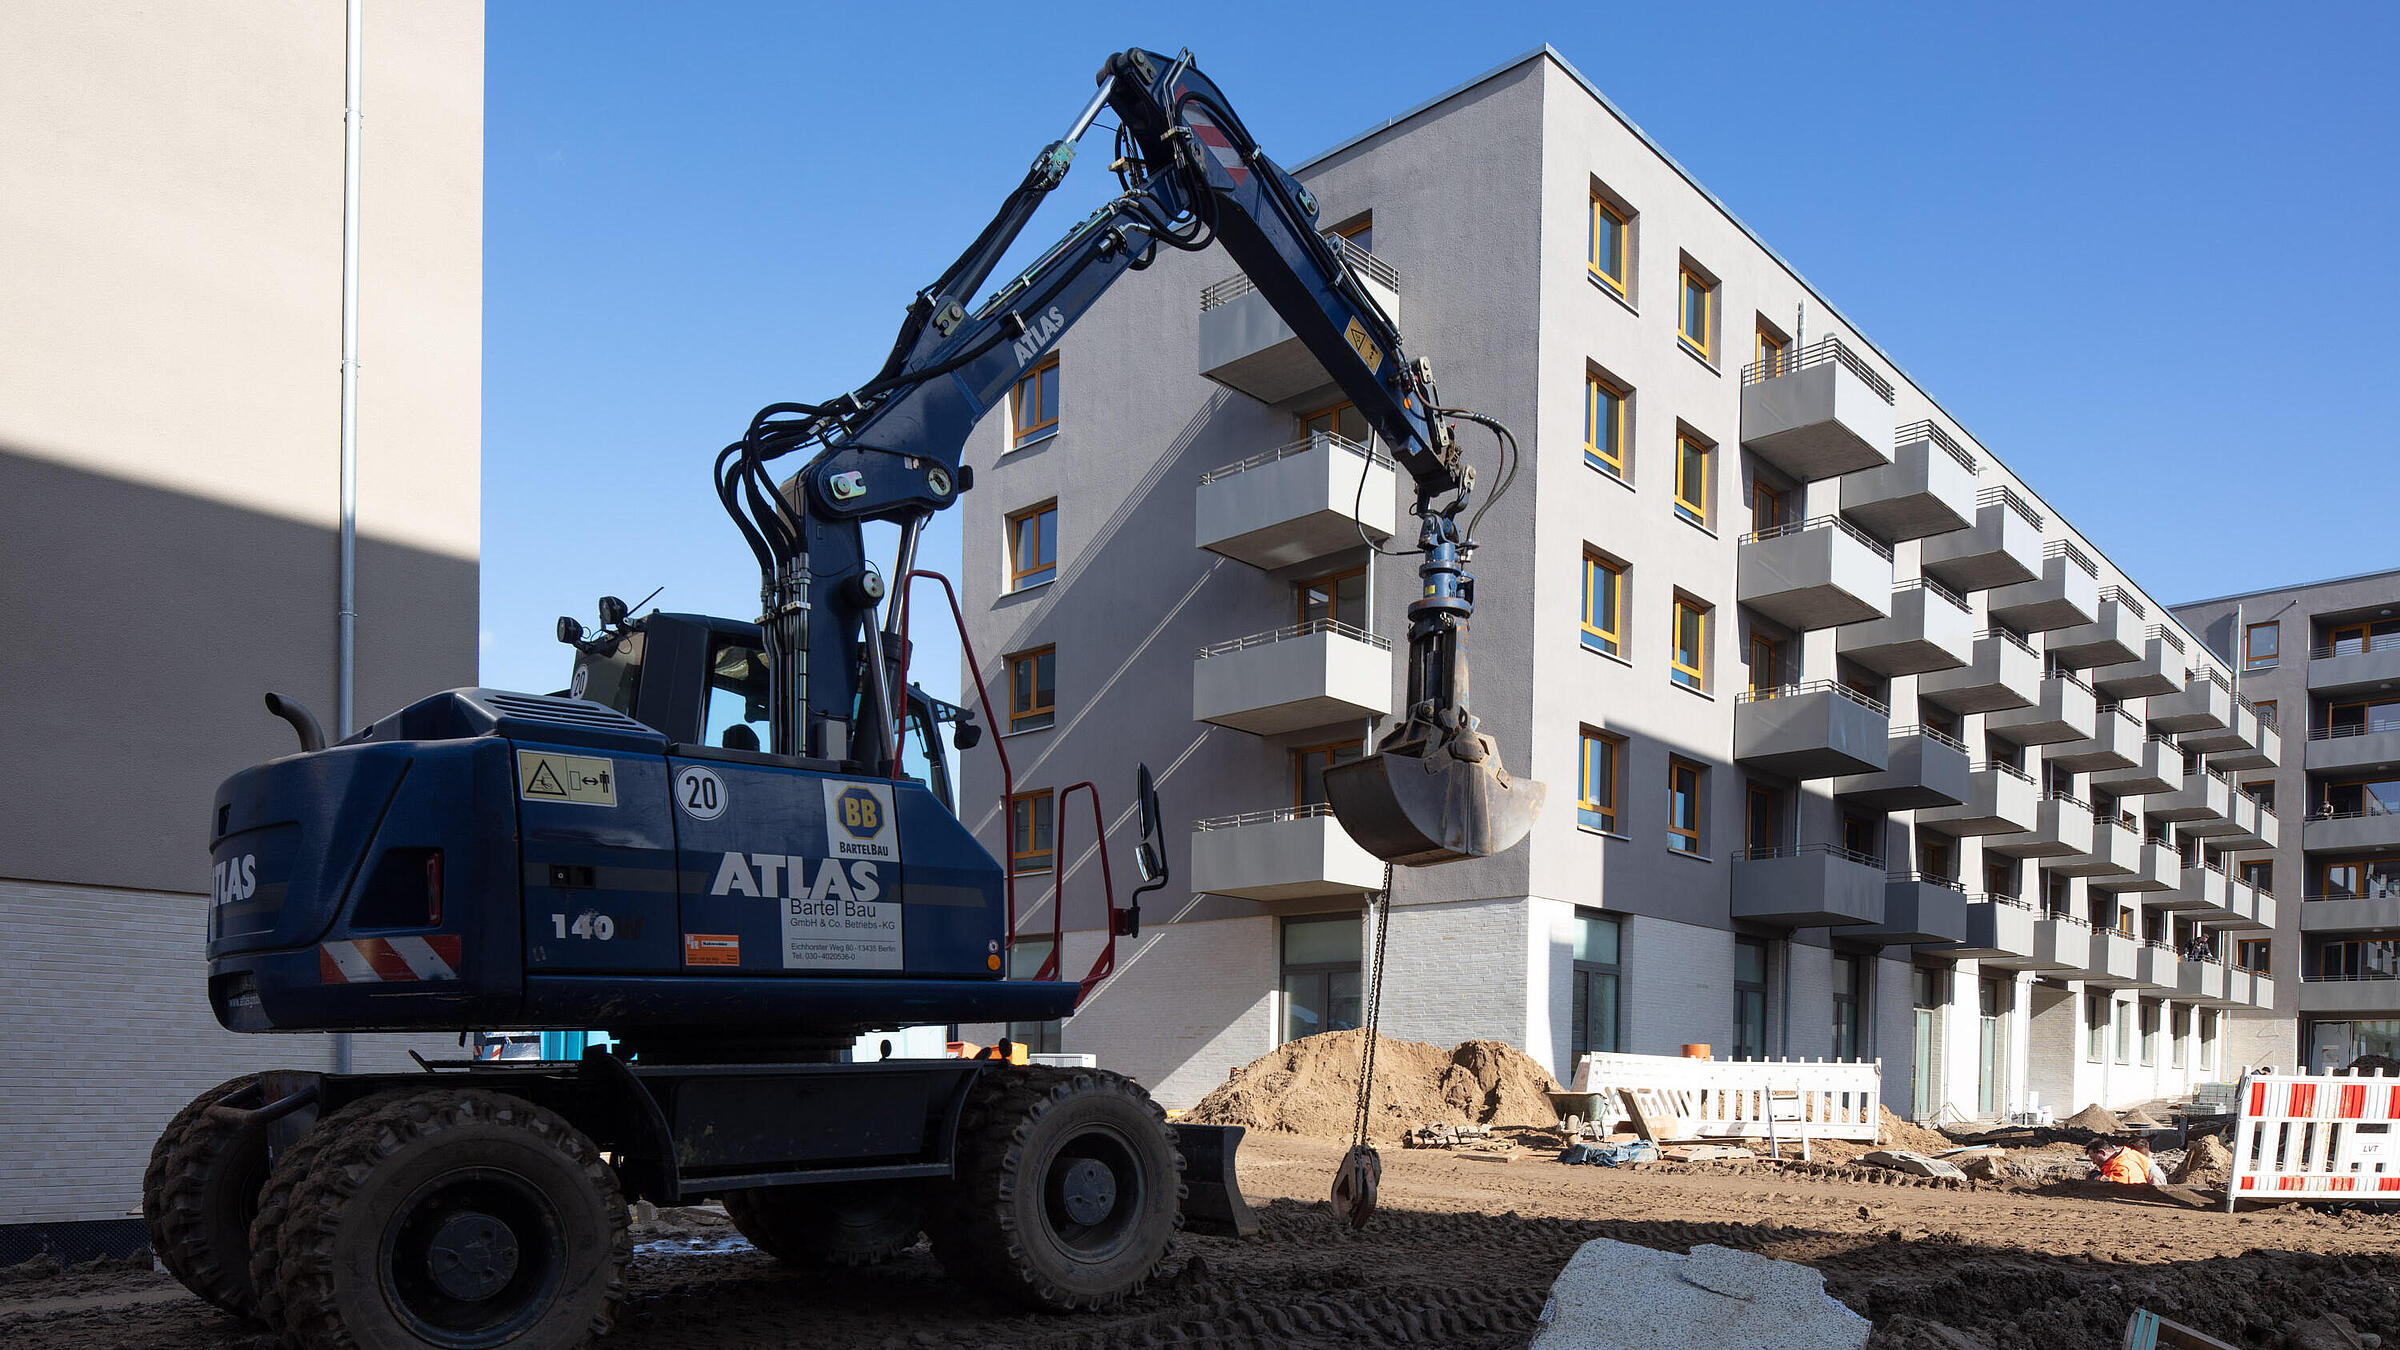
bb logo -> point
(859, 813)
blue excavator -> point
(734, 910)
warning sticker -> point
(712, 949)
(837, 934)
(858, 821)
(1356, 336)
(581, 779)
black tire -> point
(1069, 1189)
(199, 1192)
(460, 1218)
(851, 1224)
(275, 1203)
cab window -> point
(737, 697)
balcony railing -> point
(1813, 687)
(1996, 898)
(2362, 813)
(2008, 637)
(2377, 642)
(1818, 353)
(1927, 431)
(2057, 672)
(1362, 262)
(1926, 879)
(2126, 600)
(1996, 766)
(1937, 737)
(1302, 446)
(1935, 588)
(2060, 548)
(2000, 494)
(1297, 630)
(1820, 523)
(2363, 977)
(2392, 894)
(1800, 850)
(2104, 709)
(2166, 635)
(1248, 818)
(2344, 733)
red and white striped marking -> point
(1220, 145)
(2317, 1136)
(388, 960)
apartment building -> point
(1855, 747)
(170, 452)
(2323, 659)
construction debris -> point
(1914, 1163)
(2206, 1163)
(1685, 1153)
(1310, 1087)
(2095, 1118)
(1617, 1296)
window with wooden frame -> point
(1683, 805)
(2254, 955)
(1033, 689)
(1762, 820)
(1607, 423)
(2260, 642)
(1766, 506)
(1766, 665)
(1603, 604)
(1341, 419)
(1033, 546)
(1359, 230)
(1598, 773)
(1689, 654)
(2262, 792)
(1029, 834)
(2363, 717)
(1696, 313)
(1033, 409)
(2265, 708)
(1691, 477)
(1612, 245)
(1340, 597)
(1309, 764)
(1771, 351)
(2260, 874)
(2354, 638)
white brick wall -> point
(1461, 971)
(1890, 1033)
(1808, 1032)
(1678, 986)
(109, 1033)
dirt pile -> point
(1893, 1132)
(1310, 1087)
(2095, 1119)
(2139, 1119)
(2207, 1163)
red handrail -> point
(1105, 963)
(1008, 777)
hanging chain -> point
(1379, 913)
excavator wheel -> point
(1069, 1188)
(833, 1225)
(199, 1192)
(275, 1203)
(459, 1218)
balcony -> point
(2373, 829)
(1811, 886)
(2115, 743)
(1296, 502)
(1291, 853)
(1246, 346)
(2066, 711)
(1929, 628)
(1308, 675)
(2156, 966)
(2001, 800)
(2238, 735)
(2350, 913)
(1924, 768)
(2355, 667)
(1816, 730)
(1918, 910)
(2239, 986)
(2062, 828)
(2157, 767)
(1818, 413)
(1927, 489)
(2003, 673)
(2376, 995)
(2203, 805)
(2113, 637)
(2060, 942)
(2247, 907)
(2202, 893)
(2204, 704)
(1814, 574)
(2156, 668)
(2156, 867)
(2003, 546)
(2261, 745)
(2254, 827)
(2368, 746)
(2201, 981)
(1999, 931)
(2114, 959)
(2065, 595)
(2116, 851)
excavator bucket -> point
(1416, 810)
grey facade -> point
(1928, 729)
(2323, 659)
(169, 459)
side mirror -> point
(1145, 794)
(612, 612)
(966, 736)
(570, 631)
(1147, 861)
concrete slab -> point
(1616, 1296)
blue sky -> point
(2142, 253)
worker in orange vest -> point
(2114, 1163)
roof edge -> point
(2295, 586)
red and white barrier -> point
(2316, 1137)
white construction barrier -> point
(2316, 1137)
(1728, 1099)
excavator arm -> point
(892, 451)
